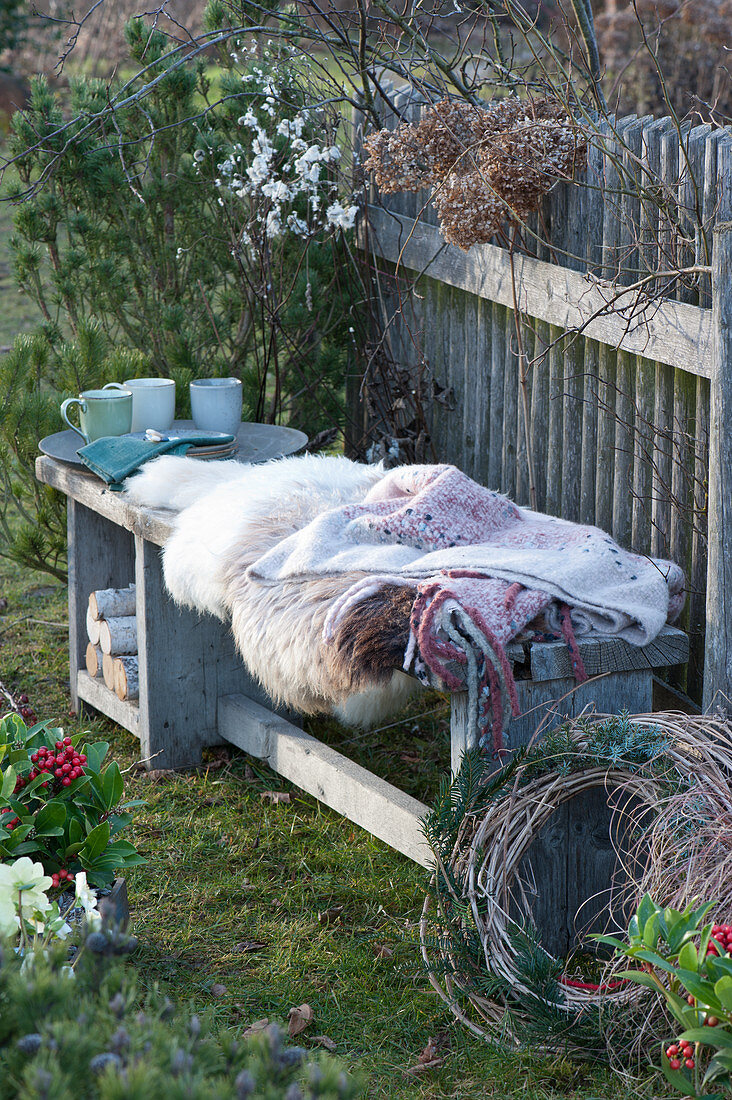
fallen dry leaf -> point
(218, 990)
(159, 775)
(248, 945)
(255, 1028)
(329, 915)
(324, 1041)
(382, 950)
(298, 1019)
(410, 757)
(275, 797)
(429, 1059)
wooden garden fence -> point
(629, 405)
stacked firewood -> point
(112, 650)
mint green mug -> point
(101, 412)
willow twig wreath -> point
(489, 966)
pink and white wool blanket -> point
(335, 576)
(482, 570)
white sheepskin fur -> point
(225, 506)
(229, 514)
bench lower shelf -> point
(98, 695)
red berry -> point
(674, 1063)
(689, 1063)
(59, 745)
(66, 768)
(69, 876)
(55, 880)
(63, 873)
(44, 784)
(67, 740)
(82, 757)
(58, 773)
(711, 1021)
(66, 782)
(673, 1049)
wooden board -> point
(382, 809)
(181, 683)
(98, 695)
(551, 660)
(100, 555)
(667, 331)
(569, 868)
(153, 524)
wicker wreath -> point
(480, 830)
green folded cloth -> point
(115, 457)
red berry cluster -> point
(681, 1051)
(64, 764)
(26, 710)
(62, 877)
(9, 823)
(721, 937)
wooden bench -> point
(195, 692)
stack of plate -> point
(227, 449)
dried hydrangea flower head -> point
(485, 165)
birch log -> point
(112, 603)
(118, 636)
(93, 660)
(108, 670)
(92, 628)
(126, 679)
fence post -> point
(718, 656)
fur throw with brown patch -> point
(330, 571)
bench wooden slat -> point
(551, 660)
(152, 524)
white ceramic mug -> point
(153, 402)
(216, 404)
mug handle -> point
(82, 405)
(114, 386)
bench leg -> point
(460, 738)
(100, 555)
(187, 662)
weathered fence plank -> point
(718, 660)
(618, 410)
(669, 331)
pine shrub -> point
(145, 259)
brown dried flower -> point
(484, 164)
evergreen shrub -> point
(197, 230)
(87, 1032)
